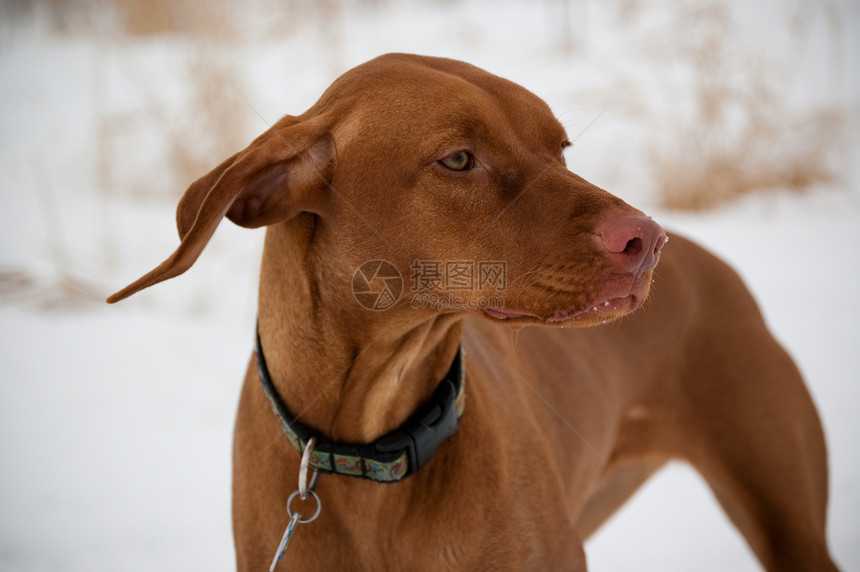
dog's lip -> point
(615, 300)
(501, 313)
(625, 303)
(611, 305)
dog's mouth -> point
(502, 313)
(605, 309)
(612, 307)
(612, 304)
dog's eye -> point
(459, 161)
(564, 145)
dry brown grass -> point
(194, 134)
(702, 170)
(208, 125)
(124, 17)
(49, 292)
(157, 143)
(739, 134)
(216, 124)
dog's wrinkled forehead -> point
(409, 97)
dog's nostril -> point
(632, 242)
(634, 246)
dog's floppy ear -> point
(285, 171)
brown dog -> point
(456, 179)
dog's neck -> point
(349, 372)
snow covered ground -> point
(115, 422)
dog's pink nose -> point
(633, 242)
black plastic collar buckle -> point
(426, 429)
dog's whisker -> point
(587, 127)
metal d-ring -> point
(311, 518)
(304, 489)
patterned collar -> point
(392, 457)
